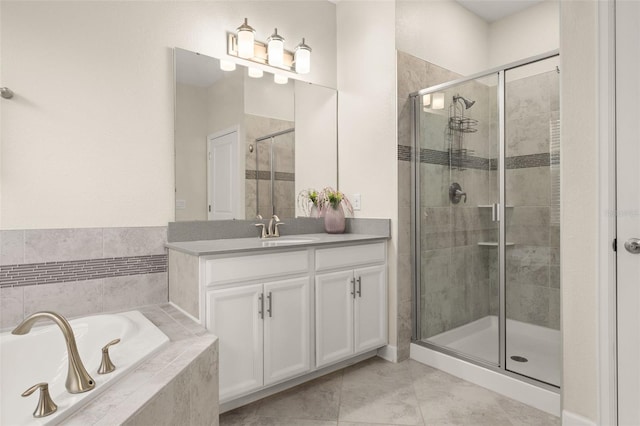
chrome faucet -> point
(270, 231)
(78, 380)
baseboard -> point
(535, 396)
(388, 353)
(572, 419)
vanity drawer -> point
(259, 266)
(339, 257)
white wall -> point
(367, 149)
(88, 139)
(191, 150)
(444, 33)
(580, 207)
(533, 31)
(265, 98)
(316, 138)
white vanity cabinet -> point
(351, 302)
(284, 315)
(263, 328)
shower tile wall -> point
(284, 185)
(459, 282)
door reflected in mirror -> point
(246, 146)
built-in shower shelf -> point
(488, 206)
(493, 244)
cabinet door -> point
(370, 308)
(234, 316)
(334, 317)
(286, 329)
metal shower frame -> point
(415, 219)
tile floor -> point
(376, 392)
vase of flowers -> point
(308, 201)
(333, 204)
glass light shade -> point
(437, 100)
(280, 79)
(426, 101)
(227, 65)
(302, 58)
(275, 49)
(255, 72)
(246, 40)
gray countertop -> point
(237, 245)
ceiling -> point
(494, 10)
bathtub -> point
(41, 356)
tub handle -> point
(46, 406)
(106, 366)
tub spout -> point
(78, 380)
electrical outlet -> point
(181, 204)
(357, 201)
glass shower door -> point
(532, 227)
(457, 191)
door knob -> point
(633, 245)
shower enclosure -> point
(486, 219)
(275, 174)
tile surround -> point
(80, 271)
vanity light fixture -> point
(255, 72)
(275, 49)
(227, 65)
(246, 40)
(242, 44)
(437, 100)
(280, 79)
(302, 58)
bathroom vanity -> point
(285, 309)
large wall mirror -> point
(247, 146)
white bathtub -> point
(41, 356)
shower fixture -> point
(467, 103)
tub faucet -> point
(78, 380)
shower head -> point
(467, 103)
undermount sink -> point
(283, 241)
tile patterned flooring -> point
(377, 392)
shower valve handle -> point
(461, 194)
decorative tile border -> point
(443, 158)
(80, 270)
(266, 175)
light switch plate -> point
(357, 201)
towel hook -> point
(6, 93)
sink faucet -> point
(78, 380)
(270, 231)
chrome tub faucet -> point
(78, 380)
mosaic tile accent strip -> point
(404, 153)
(468, 161)
(80, 270)
(266, 175)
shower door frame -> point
(416, 104)
(271, 138)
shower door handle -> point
(495, 212)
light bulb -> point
(302, 58)
(280, 79)
(246, 39)
(255, 72)
(227, 65)
(275, 49)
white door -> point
(334, 316)
(286, 329)
(370, 319)
(628, 207)
(235, 316)
(222, 173)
